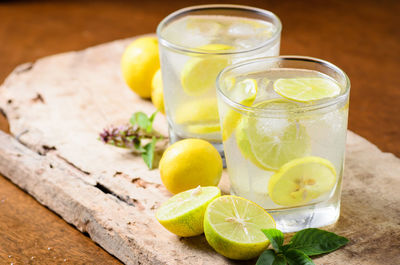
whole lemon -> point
(157, 95)
(190, 163)
(139, 63)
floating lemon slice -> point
(302, 180)
(306, 89)
(199, 74)
(232, 226)
(244, 92)
(183, 214)
(273, 141)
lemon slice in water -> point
(301, 180)
(183, 214)
(306, 89)
(232, 226)
(199, 73)
(273, 141)
(244, 92)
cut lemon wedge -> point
(232, 226)
(306, 89)
(199, 73)
(301, 180)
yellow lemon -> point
(183, 214)
(157, 95)
(190, 163)
(139, 63)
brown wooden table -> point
(361, 37)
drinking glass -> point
(285, 153)
(195, 44)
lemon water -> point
(198, 47)
(281, 156)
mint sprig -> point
(138, 135)
(305, 243)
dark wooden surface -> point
(361, 37)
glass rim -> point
(276, 22)
(320, 104)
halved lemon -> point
(199, 73)
(232, 226)
(183, 214)
(244, 92)
(306, 89)
(302, 180)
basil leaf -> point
(296, 257)
(313, 241)
(267, 257)
(275, 236)
(148, 154)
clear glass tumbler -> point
(195, 44)
(284, 139)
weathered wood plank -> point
(57, 106)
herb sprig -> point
(305, 243)
(138, 135)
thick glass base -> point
(317, 215)
(174, 137)
(309, 216)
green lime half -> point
(183, 213)
(232, 226)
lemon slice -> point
(183, 214)
(302, 180)
(244, 92)
(232, 226)
(199, 116)
(306, 89)
(199, 74)
(273, 141)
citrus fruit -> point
(272, 142)
(199, 116)
(183, 214)
(139, 62)
(232, 226)
(189, 163)
(306, 89)
(244, 92)
(157, 96)
(199, 73)
(301, 180)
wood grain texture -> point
(362, 37)
(57, 105)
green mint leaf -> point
(267, 257)
(313, 241)
(140, 119)
(148, 154)
(151, 119)
(296, 257)
(137, 143)
(275, 236)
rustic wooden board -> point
(57, 106)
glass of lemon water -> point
(284, 124)
(195, 44)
